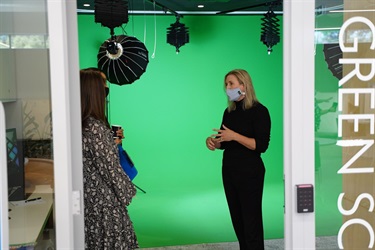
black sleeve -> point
(223, 144)
(262, 128)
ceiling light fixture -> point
(270, 35)
(111, 13)
(201, 6)
(177, 34)
(123, 59)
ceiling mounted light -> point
(177, 34)
(332, 55)
(111, 13)
(270, 35)
(123, 59)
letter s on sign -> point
(356, 203)
(356, 221)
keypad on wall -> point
(305, 198)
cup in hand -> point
(114, 131)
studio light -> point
(111, 13)
(177, 34)
(112, 46)
(270, 35)
(123, 59)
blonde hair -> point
(244, 79)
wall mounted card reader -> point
(305, 198)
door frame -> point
(4, 221)
(65, 96)
(298, 84)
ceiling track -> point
(182, 13)
(165, 9)
(270, 4)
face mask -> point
(106, 91)
(234, 94)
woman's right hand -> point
(212, 143)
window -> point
(24, 41)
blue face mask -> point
(234, 94)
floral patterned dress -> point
(107, 192)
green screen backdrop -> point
(168, 113)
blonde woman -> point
(244, 135)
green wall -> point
(168, 113)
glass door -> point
(28, 121)
(38, 145)
(344, 122)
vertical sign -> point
(356, 122)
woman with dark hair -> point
(107, 189)
(244, 135)
(120, 132)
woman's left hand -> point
(225, 134)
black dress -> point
(243, 173)
(107, 192)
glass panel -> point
(4, 42)
(344, 123)
(28, 42)
(25, 89)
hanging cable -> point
(153, 53)
(144, 22)
(132, 3)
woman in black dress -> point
(107, 189)
(244, 135)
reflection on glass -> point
(328, 157)
(25, 88)
(332, 36)
(28, 42)
(344, 134)
(4, 42)
(24, 41)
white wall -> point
(27, 69)
(32, 84)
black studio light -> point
(123, 59)
(111, 13)
(177, 34)
(270, 34)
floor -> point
(322, 243)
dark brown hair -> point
(92, 95)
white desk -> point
(27, 220)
